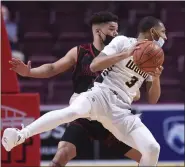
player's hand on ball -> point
(157, 73)
(131, 50)
(19, 67)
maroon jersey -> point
(82, 75)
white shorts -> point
(111, 110)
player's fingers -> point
(161, 68)
(18, 61)
(14, 66)
(157, 72)
(131, 51)
(13, 69)
(15, 59)
(13, 63)
(29, 64)
(135, 48)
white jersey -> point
(124, 77)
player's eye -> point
(112, 29)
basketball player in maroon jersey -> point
(104, 28)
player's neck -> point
(98, 45)
(142, 36)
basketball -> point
(149, 57)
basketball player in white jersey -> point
(109, 100)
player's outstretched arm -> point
(153, 87)
(46, 70)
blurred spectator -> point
(11, 28)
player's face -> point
(159, 31)
(159, 34)
(110, 28)
(107, 32)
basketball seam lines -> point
(143, 51)
(150, 57)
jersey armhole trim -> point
(77, 59)
(91, 50)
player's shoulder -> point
(122, 39)
(83, 49)
(85, 46)
(119, 42)
(132, 40)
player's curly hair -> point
(102, 17)
(147, 23)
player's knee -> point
(63, 144)
(153, 148)
(66, 151)
(69, 149)
(80, 108)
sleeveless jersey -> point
(124, 77)
(82, 76)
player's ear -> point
(153, 33)
(98, 31)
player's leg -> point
(147, 145)
(129, 129)
(122, 148)
(80, 108)
(133, 154)
(66, 152)
(72, 142)
(135, 134)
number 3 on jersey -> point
(132, 82)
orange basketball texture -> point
(149, 57)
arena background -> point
(44, 32)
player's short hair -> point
(102, 17)
(147, 23)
